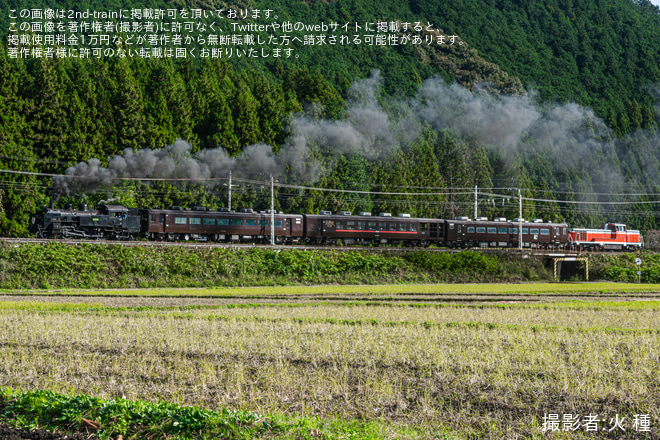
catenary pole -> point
(475, 202)
(272, 211)
(520, 242)
(229, 204)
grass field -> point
(404, 361)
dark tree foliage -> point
(55, 112)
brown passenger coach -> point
(223, 225)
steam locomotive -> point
(111, 222)
(115, 222)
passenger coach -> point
(328, 228)
(199, 224)
(500, 232)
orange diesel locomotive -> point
(612, 236)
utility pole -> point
(475, 202)
(520, 242)
(230, 190)
(272, 211)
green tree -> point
(128, 108)
(245, 115)
(49, 128)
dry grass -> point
(605, 318)
(490, 371)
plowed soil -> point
(7, 433)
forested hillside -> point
(556, 98)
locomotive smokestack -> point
(55, 194)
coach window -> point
(451, 226)
(413, 227)
(249, 222)
(481, 230)
(492, 230)
(402, 226)
(328, 224)
(392, 226)
(382, 226)
(513, 230)
(502, 230)
(470, 229)
(534, 231)
(361, 226)
(278, 223)
(180, 220)
(423, 227)
(564, 231)
(371, 226)
(152, 218)
(340, 225)
(195, 221)
(236, 221)
(525, 231)
(209, 221)
(350, 225)
(223, 221)
(545, 231)
(264, 222)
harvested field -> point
(486, 364)
(399, 299)
(9, 433)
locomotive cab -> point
(615, 227)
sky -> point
(656, 2)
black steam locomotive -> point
(111, 222)
(202, 225)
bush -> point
(59, 265)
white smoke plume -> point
(172, 162)
(367, 130)
(514, 126)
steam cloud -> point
(513, 125)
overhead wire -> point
(596, 207)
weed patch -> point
(139, 419)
